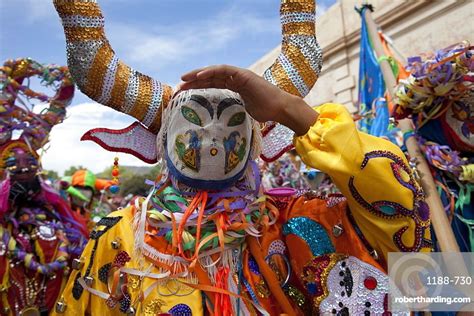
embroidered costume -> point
(39, 234)
(206, 239)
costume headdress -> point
(107, 80)
(16, 110)
(439, 95)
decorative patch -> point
(461, 118)
(234, 150)
(312, 233)
(315, 274)
(103, 226)
(99, 230)
(253, 266)
(125, 303)
(154, 307)
(104, 272)
(297, 297)
(277, 246)
(180, 310)
(190, 155)
(355, 288)
(392, 210)
(77, 288)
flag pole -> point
(442, 227)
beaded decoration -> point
(355, 288)
(391, 210)
(312, 233)
(114, 188)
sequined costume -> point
(205, 239)
(39, 233)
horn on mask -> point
(296, 68)
(100, 74)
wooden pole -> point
(442, 227)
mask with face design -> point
(207, 140)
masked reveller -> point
(206, 240)
(39, 234)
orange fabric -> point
(269, 275)
(348, 242)
(204, 280)
(103, 184)
(402, 72)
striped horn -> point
(298, 66)
(100, 74)
(295, 70)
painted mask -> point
(208, 138)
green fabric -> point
(470, 225)
(89, 179)
(392, 62)
(75, 192)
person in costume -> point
(439, 97)
(285, 172)
(91, 203)
(39, 234)
(206, 240)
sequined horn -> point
(295, 70)
(299, 63)
(100, 74)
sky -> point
(161, 38)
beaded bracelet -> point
(406, 135)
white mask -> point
(208, 138)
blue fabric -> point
(460, 229)
(371, 87)
(433, 130)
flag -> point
(372, 103)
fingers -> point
(189, 76)
(218, 71)
(204, 84)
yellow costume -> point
(335, 250)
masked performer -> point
(39, 234)
(204, 239)
(439, 96)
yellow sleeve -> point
(373, 174)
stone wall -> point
(415, 26)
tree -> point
(72, 170)
(51, 174)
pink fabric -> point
(4, 192)
(63, 208)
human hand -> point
(263, 101)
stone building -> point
(415, 26)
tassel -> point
(222, 305)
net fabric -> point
(135, 140)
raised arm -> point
(385, 200)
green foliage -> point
(72, 170)
(133, 183)
(51, 174)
